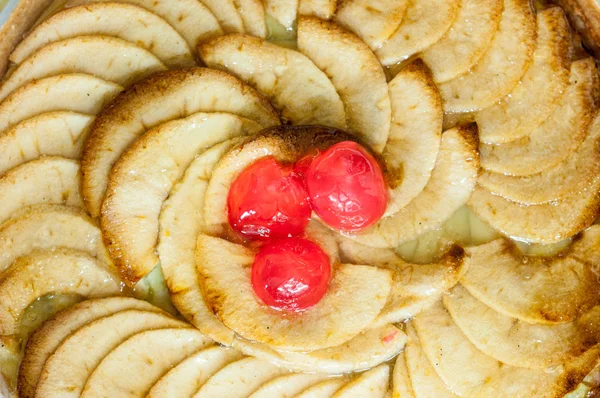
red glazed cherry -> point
(291, 274)
(268, 200)
(346, 187)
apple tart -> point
(299, 198)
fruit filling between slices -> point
(291, 274)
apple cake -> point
(299, 198)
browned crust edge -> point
(20, 21)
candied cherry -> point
(291, 274)
(268, 200)
(347, 188)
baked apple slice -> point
(323, 9)
(449, 187)
(292, 82)
(518, 343)
(373, 21)
(123, 21)
(322, 326)
(355, 73)
(46, 227)
(401, 384)
(369, 349)
(157, 100)
(253, 16)
(143, 177)
(542, 86)
(559, 136)
(502, 65)
(75, 92)
(120, 370)
(424, 23)
(289, 385)
(181, 221)
(533, 289)
(48, 180)
(423, 379)
(186, 377)
(62, 271)
(466, 41)
(69, 367)
(415, 287)
(415, 134)
(239, 379)
(373, 383)
(105, 57)
(190, 18)
(60, 133)
(324, 389)
(468, 371)
(45, 340)
(572, 175)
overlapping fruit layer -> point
(452, 252)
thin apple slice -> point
(460, 365)
(532, 289)
(572, 175)
(559, 136)
(288, 385)
(544, 223)
(469, 372)
(554, 382)
(45, 340)
(125, 21)
(466, 41)
(119, 372)
(506, 60)
(239, 379)
(367, 350)
(449, 187)
(355, 73)
(66, 371)
(401, 384)
(181, 220)
(143, 177)
(227, 14)
(46, 227)
(518, 343)
(60, 133)
(415, 287)
(187, 377)
(373, 21)
(373, 383)
(292, 82)
(424, 380)
(323, 9)
(162, 97)
(253, 17)
(192, 19)
(425, 23)
(105, 57)
(228, 291)
(541, 88)
(48, 180)
(284, 11)
(324, 389)
(72, 92)
(415, 135)
(61, 271)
